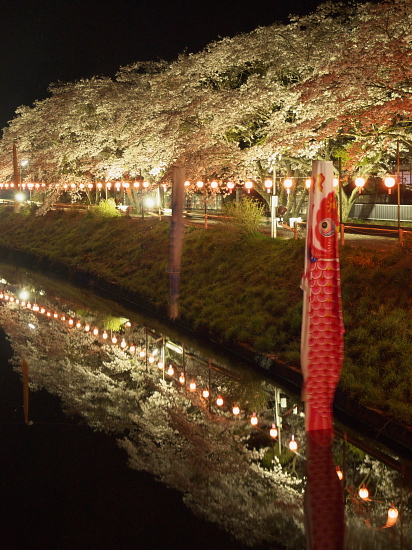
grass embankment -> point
(245, 289)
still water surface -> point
(128, 446)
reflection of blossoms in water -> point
(171, 434)
(183, 445)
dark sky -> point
(44, 41)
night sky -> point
(45, 41)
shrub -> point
(244, 216)
(106, 209)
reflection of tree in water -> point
(227, 471)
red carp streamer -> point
(322, 323)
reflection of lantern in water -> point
(219, 401)
(273, 431)
(254, 419)
(363, 492)
(393, 513)
(292, 444)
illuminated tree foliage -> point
(335, 83)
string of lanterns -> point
(214, 185)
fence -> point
(388, 212)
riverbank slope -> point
(242, 291)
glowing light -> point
(268, 185)
(70, 320)
(219, 401)
(99, 185)
(308, 183)
(288, 185)
(142, 353)
(254, 419)
(248, 186)
(339, 473)
(125, 185)
(192, 385)
(187, 183)
(149, 202)
(230, 185)
(214, 184)
(151, 359)
(42, 309)
(292, 444)
(145, 184)
(104, 335)
(182, 378)
(199, 184)
(335, 182)
(95, 331)
(205, 393)
(114, 340)
(389, 182)
(19, 197)
(170, 370)
(132, 348)
(78, 324)
(23, 295)
(236, 410)
(87, 328)
(273, 432)
(160, 364)
(363, 492)
(393, 512)
(360, 182)
(56, 315)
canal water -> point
(129, 434)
